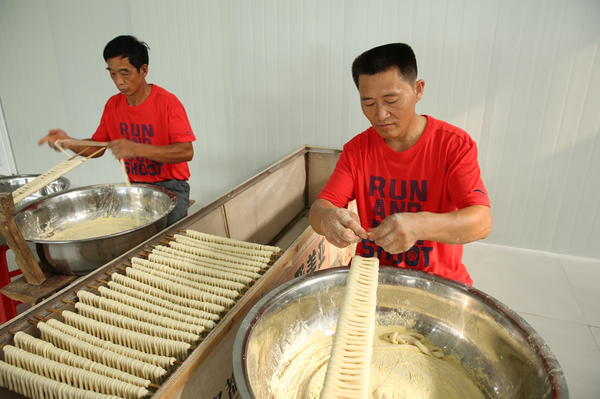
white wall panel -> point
(261, 78)
(190, 57)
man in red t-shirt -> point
(144, 125)
(415, 179)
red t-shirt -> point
(439, 174)
(159, 120)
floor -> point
(557, 295)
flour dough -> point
(398, 371)
(99, 227)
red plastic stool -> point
(8, 307)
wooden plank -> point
(11, 233)
(320, 164)
(21, 290)
(259, 213)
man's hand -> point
(339, 226)
(400, 231)
(123, 149)
(54, 135)
(397, 233)
(342, 227)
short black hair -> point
(383, 58)
(130, 47)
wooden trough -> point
(270, 208)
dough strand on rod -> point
(179, 300)
(195, 277)
(46, 178)
(224, 260)
(182, 290)
(74, 376)
(117, 314)
(187, 264)
(167, 274)
(223, 269)
(46, 349)
(35, 386)
(230, 241)
(245, 253)
(61, 339)
(133, 312)
(150, 302)
(348, 370)
(131, 339)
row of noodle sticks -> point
(125, 336)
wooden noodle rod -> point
(51, 175)
(11, 233)
(89, 143)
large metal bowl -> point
(507, 358)
(8, 184)
(66, 209)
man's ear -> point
(419, 88)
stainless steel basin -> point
(62, 211)
(8, 184)
(507, 357)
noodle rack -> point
(124, 337)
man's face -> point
(126, 77)
(388, 101)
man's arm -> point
(339, 226)
(58, 134)
(399, 232)
(170, 153)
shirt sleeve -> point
(180, 130)
(340, 188)
(465, 185)
(101, 134)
